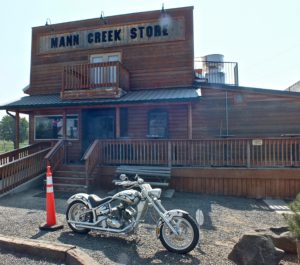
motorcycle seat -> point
(96, 200)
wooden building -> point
(123, 90)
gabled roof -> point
(132, 97)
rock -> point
(285, 241)
(255, 249)
(281, 238)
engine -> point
(116, 217)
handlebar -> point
(125, 183)
(129, 183)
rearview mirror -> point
(123, 177)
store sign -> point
(114, 36)
(257, 142)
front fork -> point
(166, 218)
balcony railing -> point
(94, 80)
(217, 72)
(265, 152)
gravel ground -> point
(12, 259)
(226, 220)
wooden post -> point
(64, 125)
(17, 139)
(118, 132)
(65, 136)
(169, 153)
(248, 155)
(190, 122)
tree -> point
(7, 129)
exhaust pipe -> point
(94, 227)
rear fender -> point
(80, 197)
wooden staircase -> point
(71, 178)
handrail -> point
(91, 159)
(21, 170)
(21, 152)
(56, 155)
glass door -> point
(104, 75)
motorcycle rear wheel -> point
(76, 212)
(188, 236)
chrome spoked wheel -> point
(187, 238)
(78, 212)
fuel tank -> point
(131, 197)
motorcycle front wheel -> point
(187, 238)
(77, 211)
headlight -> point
(155, 192)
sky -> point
(261, 35)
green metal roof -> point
(132, 97)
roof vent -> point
(213, 68)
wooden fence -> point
(263, 152)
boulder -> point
(285, 241)
(256, 249)
(281, 238)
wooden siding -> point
(153, 65)
(249, 114)
(138, 121)
(253, 183)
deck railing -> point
(22, 152)
(217, 72)
(91, 159)
(95, 75)
(19, 171)
(263, 152)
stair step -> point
(72, 180)
(70, 187)
(72, 167)
(71, 174)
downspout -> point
(226, 113)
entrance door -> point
(97, 124)
(104, 74)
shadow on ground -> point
(122, 250)
(35, 199)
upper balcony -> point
(94, 80)
(216, 71)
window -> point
(158, 124)
(51, 127)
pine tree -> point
(294, 218)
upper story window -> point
(104, 74)
(158, 123)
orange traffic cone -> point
(50, 205)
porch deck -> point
(260, 168)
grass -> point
(6, 146)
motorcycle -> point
(121, 214)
